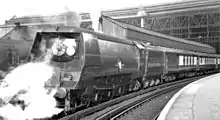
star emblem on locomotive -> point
(119, 64)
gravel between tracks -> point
(149, 110)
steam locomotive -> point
(92, 67)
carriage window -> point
(181, 60)
(203, 61)
(185, 60)
(195, 61)
(214, 61)
(189, 60)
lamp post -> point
(142, 13)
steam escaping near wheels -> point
(23, 94)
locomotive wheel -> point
(152, 82)
(137, 85)
(146, 84)
(157, 81)
(74, 104)
(86, 101)
(174, 77)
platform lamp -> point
(142, 13)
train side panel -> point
(110, 66)
(155, 65)
(173, 62)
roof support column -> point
(141, 13)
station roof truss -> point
(115, 27)
(195, 20)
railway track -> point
(115, 108)
(129, 107)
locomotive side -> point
(93, 67)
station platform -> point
(199, 100)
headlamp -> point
(70, 51)
(68, 46)
(58, 48)
(71, 46)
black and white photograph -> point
(110, 60)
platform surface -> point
(199, 100)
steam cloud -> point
(26, 83)
(23, 95)
(71, 18)
(66, 17)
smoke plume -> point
(67, 18)
(23, 94)
(95, 15)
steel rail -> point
(121, 110)
(86, 112)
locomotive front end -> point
(63, 49)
